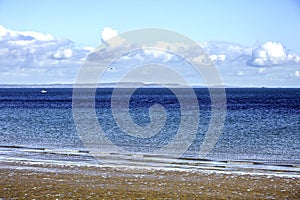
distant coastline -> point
(129, 85)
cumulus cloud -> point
(271, 54)
(62, 54)
(162, 55)
(265, 55)
(108, 33)
(222, 52)
(7, 34)
(33, 54)
(27, 56)
(234, 61)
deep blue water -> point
(262, 124)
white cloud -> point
(226, 52)
(267, 54)
(199, 59)
(23, 35)
(27, 56)
(3, 31)
(165, 56)
(154, 53)
(61, 54)
(89, 48)
(271, 54)
(37, 36)
(234, 62)
(220, 57)
(33, 57)
(213, 57)
(293, 58)
(108, 33)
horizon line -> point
(128, 85)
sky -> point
(253, 43)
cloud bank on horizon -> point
(28, 57)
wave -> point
(46, 159)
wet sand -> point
(35, 182)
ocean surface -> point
(261, 133)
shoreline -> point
(119, 182)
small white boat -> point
(43, 91)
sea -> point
(260, 133)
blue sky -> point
(251, 24)
(244, 22)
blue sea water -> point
(261, 130)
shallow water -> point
(261, 132)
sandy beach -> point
(74, 182)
